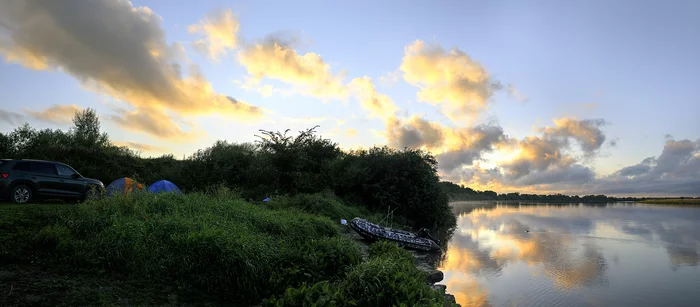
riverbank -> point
(209, 249)
(672, 201)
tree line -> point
(379, 178)
(457, 192)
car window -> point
(64, 170)
(21, 166)
(43, 168)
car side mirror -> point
(76, 176)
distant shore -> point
(672, 201)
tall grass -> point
(214, 244)
(388, 278)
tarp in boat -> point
(164, 186)
(123, 186)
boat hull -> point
(404, 239)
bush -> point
(385, 249)
(325, 204)
(405, 181)
(321, 294)
(278, 164)
(315, 260)
(388, 278)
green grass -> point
(388, 278)
(216, 247)
(673, 201)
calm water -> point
(574, 255)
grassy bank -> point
(215, 248)
(673, 201)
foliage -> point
(464, 193)
(277, 165)
(388, 278)
(389, 250)
(673, 201)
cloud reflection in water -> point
(566, 248)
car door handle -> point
(63, 180)
(33, 177)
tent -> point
(164, 186)
(123, 186)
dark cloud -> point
(574, 173)
(11, 117)
(586, 132)
(415, 133)
(637, 169)
(676, 171)
(116, 48)
(464, 145)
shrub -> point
(391, 250)
(278, 164)
(388, 278)
(325, 204)
(321, 294)
(315, 260)
(384, 281)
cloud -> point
(449, 79)
(516, 93)
(308, 72)
(220, 29)
(57, 114)
(154, 122)
(11, 117)
(676, 172)
(350, 132)
(379, 105)
(542, 166)
(637, 169)
(453, 147)
(544, 161)
(141, 146)
(117, 49)
(586, 132)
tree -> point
(86, 129)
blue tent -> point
(164, 186)
(123, 186)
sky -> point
(540, 96)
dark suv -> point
(22, 181)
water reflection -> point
(549, 255)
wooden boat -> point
(405, 239)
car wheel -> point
(90, 194)
(21, 194)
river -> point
(618, 254)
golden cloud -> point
(379, 105)
(120, 50)
(453, 147)
(586, 132)
(452, 80)
(350, 132)
(220, 29)
(308, 72)
(57, 114)
(155, 122)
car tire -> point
(21, 194)
(90, 194)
